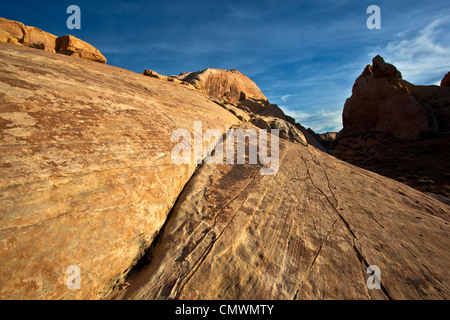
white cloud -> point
(285, 97)
(422, 58)
(320, 121)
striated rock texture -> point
(86, 171)
(382, 101)
(17, 33)
(308, 232)
(228, 85)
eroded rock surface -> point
(308, 232)
(229, 85)
(86, 171)
(17, 33)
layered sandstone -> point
(308, 232)
(86, 172)
(88, 180)
(17, 33)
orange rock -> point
(36, 38)
(227, 85)
(72, 46)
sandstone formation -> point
(71, 46)
(228, 85)
(259, 111)
(328, 136)
(308, 232)
(88, 180)
(445, 82)
(382, 101)
(17, 33)
(86, 171)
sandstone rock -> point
(86, 171)
(14, 28)
(227, 85)
(17, 33)
(286, 130)
(71, 46)
(36, 38)
(308, 232)
(6, 37)
(381, 102)
(445, 82)
(328, 136)
(153, 74)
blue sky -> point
(304, 55)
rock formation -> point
(87, 180)
(227, 85)
(309, 232)
(87, 177)
(445, 82)
(382, 101)
(17, 33)
(249, 106)
(71, 46)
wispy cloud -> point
(423, 58)
(320, 121)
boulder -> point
(14, 28)
(17, 33)
(72, 46)
(36, 38)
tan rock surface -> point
(86, 173)
(228, 85)
(308, 232)
(16, 32)
(72, 46)
(381, 102)
(36, 38)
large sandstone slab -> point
(86, 173)
(308, 232)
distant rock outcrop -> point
(382, 101)
(445, 82)
(226, 85)
(72, 46)
(17, 33)
(251, 105)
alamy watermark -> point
(214, 151)
(374, 281)
(374, 21)
(74, 21)
(74, 280)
